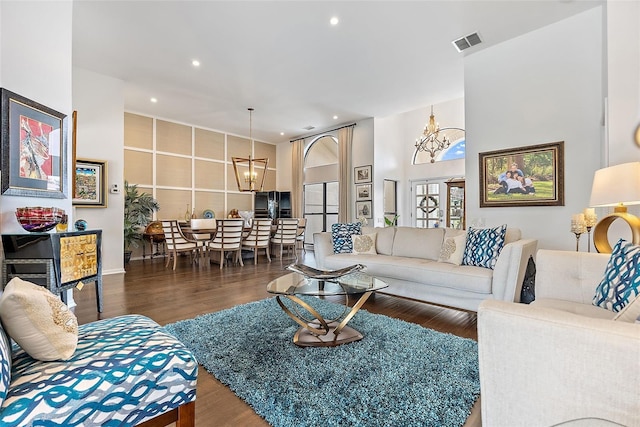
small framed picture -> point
(363, 209)
(363, 192)
(362, 174)
(34, 149)
(91, 183)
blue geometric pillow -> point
(483, 246)
(621, 282)
(341, 236)
(5, 364)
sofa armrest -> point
(322, 247)
(568, 275)
(540, 366)
(508, 273)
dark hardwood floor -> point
(167, 296)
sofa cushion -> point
(38, 321)
(483, 246)
(125, 371)
(464, 278)
(574, 307)
(621, 281)
(630, 312)
(422, 243)
(384, 238)
(364, 243)
(341, 236)
(5, 364)
(453, 247)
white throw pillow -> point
(630, 313)
(453, 249)
(364, 243)
(38, 321)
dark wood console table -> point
(59, 261)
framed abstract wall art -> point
(33, 140)
(91, 183)
(523, 176)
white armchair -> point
(561, 359)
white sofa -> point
(561, 359)
(407, 259)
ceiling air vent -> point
(309, 128)
(466, 42)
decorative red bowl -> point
(39, 219)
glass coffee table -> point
(321, 332)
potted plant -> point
(138, 212)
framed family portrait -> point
(363, 192)
(91, 183)
(362, 174)
(33, 139)
(524, 176)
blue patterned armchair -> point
(126, 371)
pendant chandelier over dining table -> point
(254, 167)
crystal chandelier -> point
(252, 165)
(430, 141)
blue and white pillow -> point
(341, 236)
(5, 364)
(483, 246)
(621, 282)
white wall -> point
(35, 62)
(544, 86)
(99, 101)
(623, 80)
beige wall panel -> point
(173, 203)
(237, 147)
(173, 138)
(173, 171)
(270, 181)
(241, 202)
(209, 145)
(138, 167)
(209, 175)
(212, 201)
(138, 131)
(267, 151)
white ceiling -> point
(284, 59)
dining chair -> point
(302, 225)
(258, 238)
(286, 235)
(202, 229)
(176, 242)
(228, 238)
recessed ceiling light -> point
(195, 63)
(281, 133)
(335, 117)
(154, 100)
(334, 21)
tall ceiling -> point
(284, 59)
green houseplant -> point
(138, 212)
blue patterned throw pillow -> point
(341, 236)
(621, 282)
(483, 246)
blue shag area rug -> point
(399, 374)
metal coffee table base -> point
(321, 332)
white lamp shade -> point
(616, 185)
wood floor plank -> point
(167, 295)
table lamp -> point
(617, 186)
